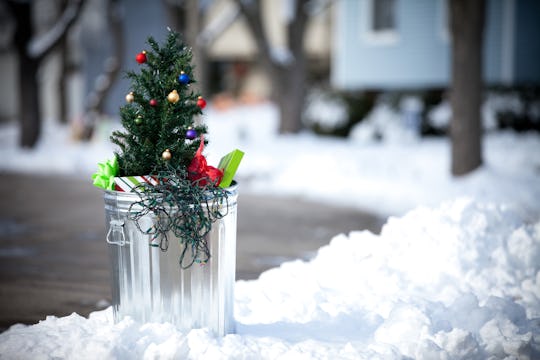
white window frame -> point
(376, 37)
(444, 20)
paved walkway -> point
(54, 259)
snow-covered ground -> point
(454, 273)
(388, 178)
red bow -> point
(199, 171)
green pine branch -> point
(150, 130)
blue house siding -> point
(424, 49)
(493, 41)
(420, 55)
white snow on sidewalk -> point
(457, 281)
(454, 273)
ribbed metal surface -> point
(149, 285)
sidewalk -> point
(54, 259)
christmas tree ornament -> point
(183, 78)
(130, 97)
(173, 97)
(166, 155)
(201, 102)
(141, 57)
(153, 102)
(138, 120)
(191, 134)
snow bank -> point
(460, 280)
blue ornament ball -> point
(191, 134)
(183, 78)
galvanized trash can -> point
(149, 285)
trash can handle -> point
(117, 226)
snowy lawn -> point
(454, 273)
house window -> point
(380, 21)
(383, 15)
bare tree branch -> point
(213, 30)
(296, 29)
(30, 58)
(112, 66)
(252, 13)
(39, 47)
(7, 27)
(286, 67)
(315, 7)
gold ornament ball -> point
(173, 97)
(166, 155)
(130, 97)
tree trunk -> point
(291, 103)
(62, 85)
(288, 77)
(63, 76)
(29, 109)
(289, 83)
(467, 23)
(200, 60)
(112, 67)
(30, 55)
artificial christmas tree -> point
(171, 217)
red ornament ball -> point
(153, 102)
(201, 102)
(141, 57)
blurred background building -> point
(393, 44)
(92, 48)
(352, 46)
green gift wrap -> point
(229, 164)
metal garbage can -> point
(149, 285)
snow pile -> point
(440, 115)
(324, 111)
(458, 281)
(384, 123)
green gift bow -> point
(104, 177)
